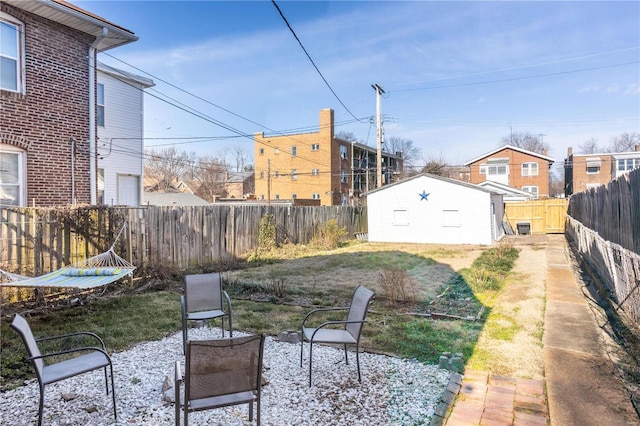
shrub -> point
(329, 235)
(397, 285)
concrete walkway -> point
(582, 387)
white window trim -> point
(315, 147)
(21, 74)
(315, 172)
(294, 151)
(596, 172)
(315, 196)
(294, 174)
(100, 105)
(22, 172)
(529, 188)
(527, 169)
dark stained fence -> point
(35, 241)
(613, 211)
(604, 223)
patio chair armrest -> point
(66, 336)
(324, 324)
(342, 308)
(227, 299)
(69, 351)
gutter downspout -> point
(92, 114)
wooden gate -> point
(537, 217)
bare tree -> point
(526, 140)
(590, 146)
(210, 178)
(625, 142)
(410, 153)
(168, 166)
(347, 136)
(235, 159)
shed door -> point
(128, 190)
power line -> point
(311, 60)
(517, 78)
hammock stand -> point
(95, 271)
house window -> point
(343, 176)
(277, 196)
(276, 150)
(294, 151)
(261, 151)
(529, 169)
(100, 111)
(593, 165)
(343, 152)
(261, 175)
(315, 196)
(12, 176)
(11, 54)
(294, 196)
(628, 164)
(100, 187)
(294, 174)
(483, 169)
(277, 173)
(315, 172)
(315, 147)
(533, 190)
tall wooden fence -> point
(604, 223)
(34, 241)
(613, 211)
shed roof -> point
(428, 175)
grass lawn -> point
(273, 295)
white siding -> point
(452, 213)
(120, 141)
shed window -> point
(400, 218)
(451, 218)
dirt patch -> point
(511, 342)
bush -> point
(329, 236)
(397, 285)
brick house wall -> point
(515, 159)
(315, 166)
(53, 112)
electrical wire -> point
(311, 60)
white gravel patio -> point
(392, 392)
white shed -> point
(433, 209)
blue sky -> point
(458, 76)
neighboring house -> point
(318, 166)
(515, 167)
(434, 209)
(584, 171)
(509, 194)
(173, 199)
(120, 119)
(48, 136)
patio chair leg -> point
(113, 393)
(358, 363)
(310, 360)
(41, 406)
(222, 326)
(301, 348)
(251, 411)
(346, 356)
(230, 325)
(106, 380)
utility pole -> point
(378, 90)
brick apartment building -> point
(318, 166)
(515, 167)
(48, 101)
(584, 171)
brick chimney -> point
(637, 148)
(569, 151)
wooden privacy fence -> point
(613, 211)
(35, 241)
(537, 217)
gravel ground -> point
(392, 392)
